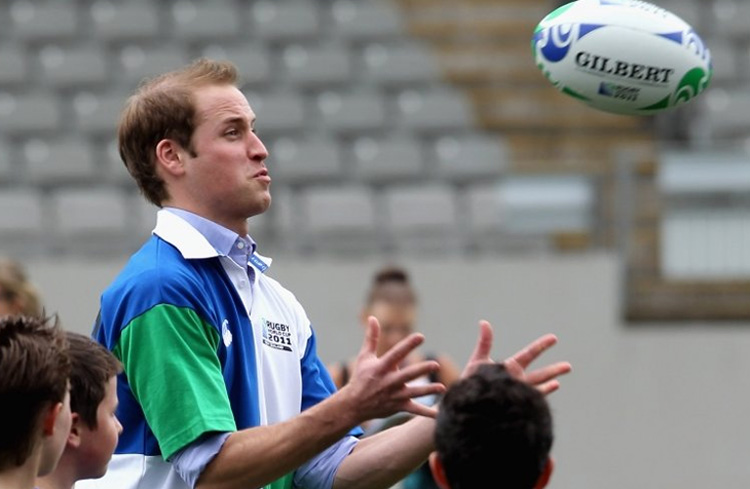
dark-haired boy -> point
(492, 427)
(93, 400)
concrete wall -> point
(653, 406)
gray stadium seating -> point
(387, 160)
(134, 20)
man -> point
(492, 427)
(93, 400)
(222, 386)
(34, 368)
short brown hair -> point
(164, 108)
(16, 289)
(92, 367)
(34, 370)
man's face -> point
(226, 179)
(98, 444)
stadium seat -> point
(299, 161)
(284, 20)
(97, 114)
(434, 110)
(29, 113)
(351, 112)
(320, 65)
(546, 204)
(199, 21)
(252, 59)
(401, 63)
(137, 62)
(277, 112)
(338, 219)
(136, 20)
(6, 168)
(78, 66)
(114, 169)
(91, 221)
(22, 221)
(43, 20)
(58, 161)
(470, 157)
(14, 64)
(358, 20)
(390, 159)
(423, 218)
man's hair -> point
(493, 427)
(92, 367)
(164, 108)
(34, 370)
(16, 289)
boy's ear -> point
(48, 421)
(74, 437)
(546, 474)
(438, 471)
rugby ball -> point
(622, 56)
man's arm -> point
(257, 456)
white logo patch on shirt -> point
(226, 335)
(276, 335)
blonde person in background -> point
(17, 294)
(393, 301)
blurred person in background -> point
(393, 301)
(17, 294)
(492, 430)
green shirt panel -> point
(169, 358)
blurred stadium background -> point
(420, 132)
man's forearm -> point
(257, 456)
(398, 451)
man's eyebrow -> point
(239, 121)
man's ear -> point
(169, 157)
(74, 437)
(50, 417)
(546, 474)
(438, 471)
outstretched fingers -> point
(533, 350)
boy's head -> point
(493, 427)
(34, 370)
(93, 401)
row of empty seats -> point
(420, 217)
(305, 65)
(344, 111)
(293, 160)
(186, 20)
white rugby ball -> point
(622, 56)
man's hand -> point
(379, 385)
(544, 378)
